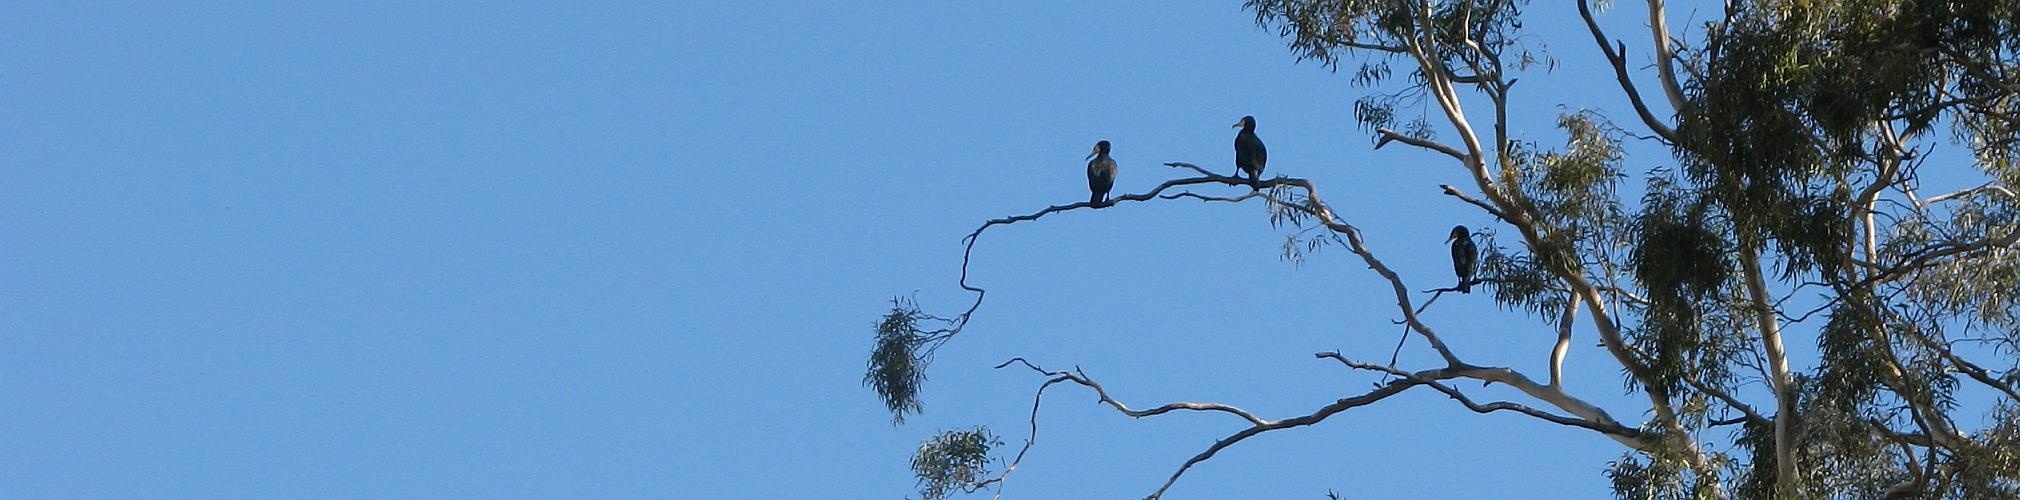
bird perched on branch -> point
(1465, 257)
(1249, 153)
(1100, 174)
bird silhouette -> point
(1465, 257)
(1249, 153)
(1100, 174)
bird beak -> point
(1090, 154)
(1237, 124)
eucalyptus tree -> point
(1795, 131)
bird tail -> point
(1465, 286)
(1095, 199)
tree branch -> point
(1658, 25)
(1778, 365)
(1423, 45)
(1257, 425)
(1317, 208)
(960, 321)
(1391, 135)
(1563, 342)
(1746, 411)
(1989, 187)
(1619, 62)
(1455, 193)
(1432, 377)
(1029, 440)
(1315, 417)
(1081, 378)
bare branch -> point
(1321, 414)
(1455, 193)
(1257, 425)
(1391, 135)
(1210, 198)
(1081, 378)
(1029, 440)
(1435, 294)
(1195, 168)
(960, 321)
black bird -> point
(1249, 154)
(1465, 257)
(1100, 174)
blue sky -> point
(459, 249)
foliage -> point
(952, 461)
(1662, 473)
(895, 371)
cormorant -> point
(1100, 174)
(1249, 154)
(1465, 257)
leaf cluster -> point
(896, 371)
(953, 461)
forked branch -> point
(1614, 55)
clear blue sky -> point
(456, 249)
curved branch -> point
(1029, 440)
(1315, 417)
(1257, 425)
(1081, 378)
(1563, 346)
(960, 321)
